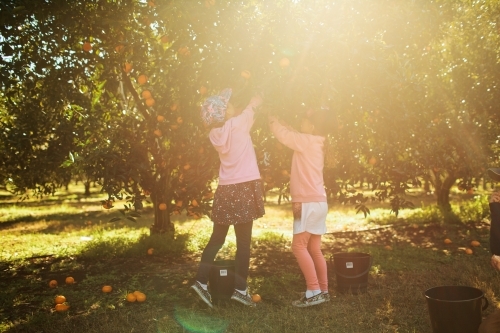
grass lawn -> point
(69, 235)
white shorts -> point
(310, 217)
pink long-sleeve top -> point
(306, 178)
(238, 162)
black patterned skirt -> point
(238, 203)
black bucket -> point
(351, 271)
(455, 309)
(221, 279)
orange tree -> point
(117, 86)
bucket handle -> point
(485, 304)
(361, 274)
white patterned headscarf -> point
(214, 107)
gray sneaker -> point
(243, 299)
(305, 302)
(326, 295)
(204, 294)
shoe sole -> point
(202, 296)
(304, 305)
(243, 302)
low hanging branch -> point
(130, 87)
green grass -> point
(71, 236)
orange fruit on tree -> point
(201, 150)
(146, 94)
(61, 307)
(107, 289)
(142, 79)
(187, 166)
(468, 251)
(160, 118)
(246, 74)
(59, 299)
(140, 297)
(179, 203)
(119, 48)
(162, 206)
(203, 90)
(372, 160)
(107, 205)
(174, 107)
(150, 102)
(179, 120)
(70, 280)
(127, 67)
(151, 4)
(174, 126)
(285, 62)
(52, 283)
(87, 46)
(150, 251)
(194, 203)
(447, 241)
(256, 298)
(164, 39)
(131, 297)
(158, 133)
(475, 243)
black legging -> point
(243, 233)
(495, 228)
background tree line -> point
(110, 91)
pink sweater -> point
(232, 141)
(306, 179)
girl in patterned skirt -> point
(238, 199)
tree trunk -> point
(443, 181)
(87, 188)
(162, 223)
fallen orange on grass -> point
(70, 280)
(107, 289)
(388, 247)
(140, 297)
(468, 251)
(59, 299)
(475, 243)
(131, 297)
(447, 241)
(61, 307)
(256, 298)
(53, 284)
(150, 251)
